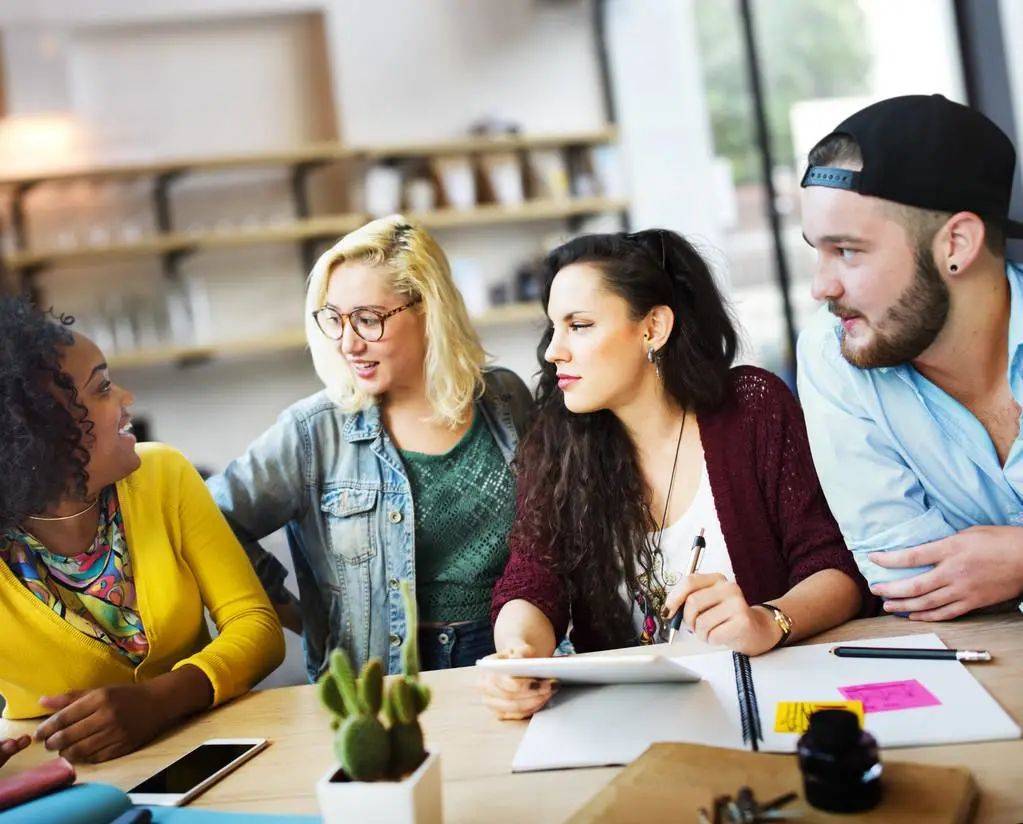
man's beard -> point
(910, 325)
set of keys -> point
(745, 809)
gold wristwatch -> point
(782, 620)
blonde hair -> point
(418, 268)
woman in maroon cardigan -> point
(643, 423)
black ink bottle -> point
(840, 764)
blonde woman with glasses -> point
(399, 469)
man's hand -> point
(716, 610)
(12, 746)
(975, 568)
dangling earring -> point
(651, 355)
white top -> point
(676, 542)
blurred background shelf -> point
(312, 153)
(199, 353)
(524, 212)
(317, 227)
(289, 340)
(325, 152)
(325, 226)
(494, 143)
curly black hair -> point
(43, 426)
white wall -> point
(208, 86)
(666, 137)
(402, 69)
(1012, 28)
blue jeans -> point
(461, 645)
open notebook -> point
(734, 706)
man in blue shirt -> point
(910, 375)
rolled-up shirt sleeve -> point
(872, 491)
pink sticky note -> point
(890, 695)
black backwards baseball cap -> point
(926, 151)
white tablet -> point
(594, 669)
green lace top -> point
(464, 504)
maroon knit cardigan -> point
(776, 524)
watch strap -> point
(782, 620)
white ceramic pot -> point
(416, 800)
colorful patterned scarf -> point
(94, 591)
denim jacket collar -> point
(363, 425)
(503, 413)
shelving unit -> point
(288, 340)
(327, 152)
(180, 242)
(312, 228)
(170, 245)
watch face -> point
(782, 620)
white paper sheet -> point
(967, 711)
(597, 726)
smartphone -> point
(195, 772)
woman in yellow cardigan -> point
(109, 553)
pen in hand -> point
(695, 554)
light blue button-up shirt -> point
(902, 462)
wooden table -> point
(477, 749)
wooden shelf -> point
(310, 153)
(288, 340)
(530, 210)
(182, 355)
(324, 226)
(511, 314)
(476, 145)
(317, 227)
(326, 152)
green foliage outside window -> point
(808, 49)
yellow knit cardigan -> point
(184, 558)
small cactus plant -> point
(366, 747)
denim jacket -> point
(336, 483)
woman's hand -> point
(715, 609)
(514, 699)
(100, 724)
(12, 746)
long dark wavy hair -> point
(44, 429)
(581, 493)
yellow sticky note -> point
(794, 716)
